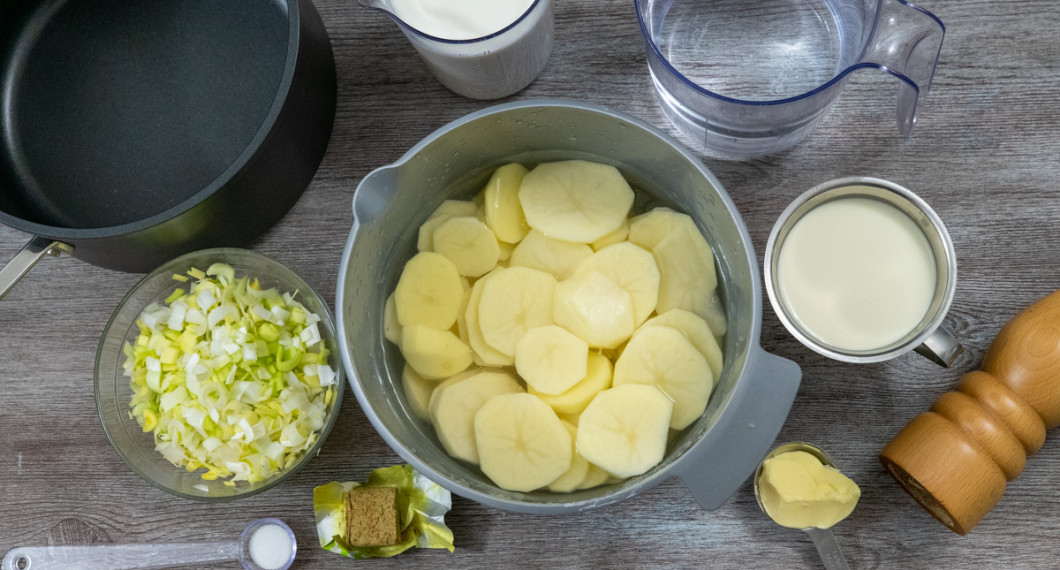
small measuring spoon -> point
(253, 556)
(823, 539)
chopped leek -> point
(229, 378)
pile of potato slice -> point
(552, 339)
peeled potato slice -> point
(446, 210)
(686, 268)
(594, 478)
(513, 301)
(418, 392)
(579, 467)
(391, 326)
(663, 357)
(454, 403)
(573, 401)
(468, 243)
(482, 351)
(522, 445)
(575, 200)
(624, 429)
(550, 359)
(503, 212)
(433, 353)
(540, 252)
(715, 316)
(429, 292)
(595, 308)
(634, 269)
(696, 331)
(649, 228)
(617, 236)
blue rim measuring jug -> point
(748, 78)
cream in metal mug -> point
(927, 336)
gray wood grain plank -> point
(985, 153)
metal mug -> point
(929, 337)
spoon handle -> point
(828, 548)
(119, 556)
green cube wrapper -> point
(422, 505)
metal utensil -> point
(823, 539)
(156, 555)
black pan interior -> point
(115, 110)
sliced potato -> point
(595, 308)
(571, 403)
(575, 200)
(540, 252)
(579, 467)
(503, 212)
(649, 228)
(550, 359)
(522, 445)
(634, 269)
(454, 403)
(594, 478)
(661, 356)
(468, 243)
(429, 292)
(686, 269)
(624, 429)
(483, 352)
(696, 331)
(513, 301)
(418, 392)
(391, 326)
(433, 353)
(617, 236)
(443, 212)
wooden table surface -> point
(985, 154)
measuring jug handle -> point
(905, 43)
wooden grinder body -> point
(956, 459)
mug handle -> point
(941, 347)
(25, 259)
(905, 43)
(732, 449)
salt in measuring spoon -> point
(823, 539)
(266, 544)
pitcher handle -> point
(30, 254)
(905, 43)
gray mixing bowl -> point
(713, 456)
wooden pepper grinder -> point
(955, 459)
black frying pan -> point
(132, 131)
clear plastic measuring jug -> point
(747, 78)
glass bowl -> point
(113, 392)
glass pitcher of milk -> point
(482, 49)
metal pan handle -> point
(33, 252)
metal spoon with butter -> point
(798, 486)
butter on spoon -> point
(798, 486)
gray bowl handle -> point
(25, 259)
(730, 452)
